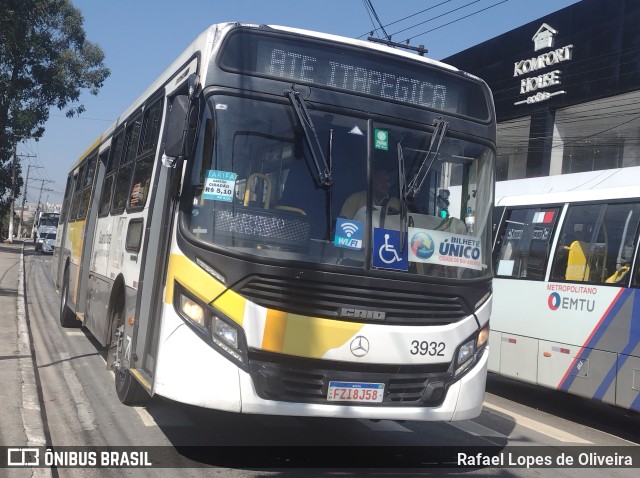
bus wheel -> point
(128, 388)
(67, 317)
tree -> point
(45, 62)
(6, 172)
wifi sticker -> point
(348, 234)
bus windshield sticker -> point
(445, 249)
(544, 217)
(386, 252)
(348, 234)
(381, 139)
(542, 234)
(219, 185)
(505, 267)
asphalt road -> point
(81, 409)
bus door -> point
(522, 253)
(58, 257)
(88, 212)
(147, 240)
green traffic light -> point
(444, 213)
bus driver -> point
(381, 186)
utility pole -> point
(24, 197)
(14, 185)
(40, 195)
(13, 190)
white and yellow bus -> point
(203, 239)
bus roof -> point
(626, 192)
(205, 42)
(368, 45)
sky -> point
(141, 38)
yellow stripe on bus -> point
(286, 333)
(76, 238)
(232, 305)
(274, 330)
(302, 336)
(193, 278)
(89, 150)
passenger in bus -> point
(381, 187)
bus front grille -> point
(321, 299)
(292, 379)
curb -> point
(31, 411)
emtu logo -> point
(554, 301)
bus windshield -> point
(49, 220)
(254, 189)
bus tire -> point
(128, 389)
(67, 318)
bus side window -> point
(144, 161)
(64, 212)
(75, 202)
(87, 185)
(111, 168)
(106, 183)
(596, 243)
(123, 176)
(524, 242)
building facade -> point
(566, 89)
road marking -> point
(384, 426)
(83, 407)
(539, 427)
(163, 415)
(74, 333)
(476, 429)
(146, 418)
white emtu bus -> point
(200, 237)
(566, 311)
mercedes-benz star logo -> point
(360, 346)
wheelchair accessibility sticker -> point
(386, 250)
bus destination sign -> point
(318, 63)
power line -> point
(370, 18)
(369, 6)
(405, 18)
(436, 17)
(457, 20)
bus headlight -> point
(465, 352)
(192, 310)
(225, 332)
(213, 327)
(471, 350)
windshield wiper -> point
(310, 135)
(402, 196)
(439, 133)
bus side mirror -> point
(181, 128)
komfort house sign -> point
(543, 39)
